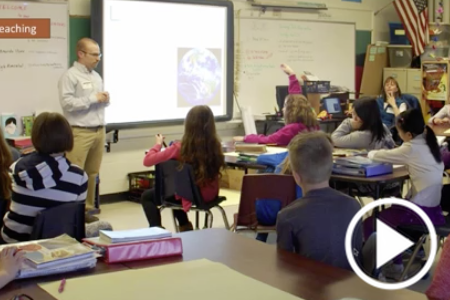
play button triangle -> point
(390, 243)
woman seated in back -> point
(392, 102)
(364, 130)
(44, 179)
(298, 114)
(201, 148)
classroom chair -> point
(173, 179)
(442, 232)
(262, 186)
(3, 210)
(65, 218)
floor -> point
(129, 215)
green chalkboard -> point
(80, 27)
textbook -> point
(142, 234)
(250, 148)
(55, 252)
(53, 256)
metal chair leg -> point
(177, 228)
(224, 216)
(205, 225)
(197, 216)
(413, 256)
(210, 217)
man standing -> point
(83, 101)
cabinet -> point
(409, 80)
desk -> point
(289, 272)
(269, 123)
(29, 286)
(439, 130)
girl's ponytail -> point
(432, 143)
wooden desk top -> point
(294, 274)
(289, 272)
(440, 130)
(399, 173)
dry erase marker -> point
(62, 285)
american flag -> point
(414, 16)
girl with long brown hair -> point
(201, 148)
(298, 116)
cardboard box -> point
(232, 178)
(377, 59)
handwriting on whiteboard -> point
(13, 7)
(251, 54)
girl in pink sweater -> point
(298, 116)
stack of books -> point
(54, 256)
(134, 235)
(21, 143)
(250, 148)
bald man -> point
(83, 101)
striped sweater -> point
(40, 182)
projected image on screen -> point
(199, 77)
(160, 58)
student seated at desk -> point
(298, 116)
(443, 118)
(199, 147)
(44, 179)
(364, 130)
(315, 226)
(420, 154)
(10, 262)
(392, 102)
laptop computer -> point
(333, 106)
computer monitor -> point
(281, 93)
(332, 105)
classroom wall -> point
(126, 156)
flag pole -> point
(383, 8)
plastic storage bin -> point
(398, 34)
(400, 56)
(140, 182)
(442, 39)
(433, 54)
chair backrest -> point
(3, 210)
(267, 186)
(172, 178)
(165, 179)
(66, 218)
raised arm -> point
(295, 86)
(155, 156)
(68, 100)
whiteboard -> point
(326, 49)
(30, 69)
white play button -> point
(390, 243)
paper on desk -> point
(447, 131)
(270, 150)
(194, 280)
